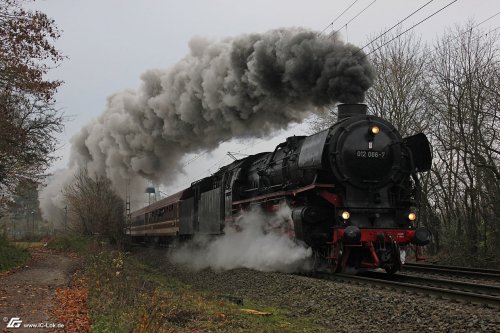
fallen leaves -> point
(30, 292)
(70, 307)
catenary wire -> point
(339, 16)
(355, 16)
(410, 28)
(361, 12)
(358, 14)
(395, 25)
(474, 27)
(221, 161)
(331, 24)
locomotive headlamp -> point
(375, 130)
(412, 216)
(345, 215)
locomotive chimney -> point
(349, 110)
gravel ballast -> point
(338, 306)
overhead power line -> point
(361, 12)
(339, 16)
(355, 16)
(395, 25)
(451, 39)
(486, 20)
(199, 155)
(410, 28)
(220, 161)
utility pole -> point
(127, 205)
(66, 218)
(26, 234)
(33, 225)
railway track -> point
(465, 272)
(455, 290)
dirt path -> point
(27, 295)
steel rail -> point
(467, 296)
(451, 270)
(478, 288)
(457, 268)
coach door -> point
(186, 222)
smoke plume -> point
(255, 241)
(247, 86)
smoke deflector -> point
(420, 150)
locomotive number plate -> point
(370, 154)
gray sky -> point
(110, 43)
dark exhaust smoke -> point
(247, 86)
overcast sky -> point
(109, 44)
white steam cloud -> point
(247, 86)
(256, 240)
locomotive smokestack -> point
(349, 110)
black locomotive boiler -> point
(353, 190)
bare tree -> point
(463, 100)
(321, 121)
(398, 94)
(452, 93)
(94, 208)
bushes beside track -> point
(10, 255)
(71, 243)
(126, 295)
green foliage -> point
(28, 117)
(128, 296)
(10, 255)
(73, 243)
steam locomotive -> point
(353, 191)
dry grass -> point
(127, 296)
